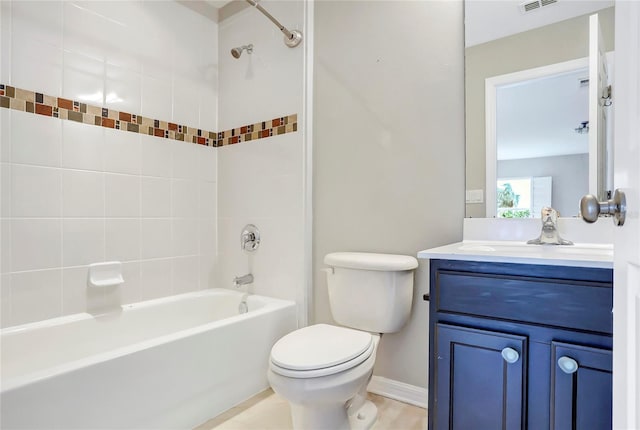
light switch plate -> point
(475, 196)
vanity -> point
(520, 336)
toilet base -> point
(334, 417)
(365, 417)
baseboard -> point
(400, 391)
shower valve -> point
(250, 238)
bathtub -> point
(172, 363)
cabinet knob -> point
(567, 364)
(510, 355)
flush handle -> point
(591, 208)
(510, 355)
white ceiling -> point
(487, 20)
(538, 118)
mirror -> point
(527, 106)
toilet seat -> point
(320, 350)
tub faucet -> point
(242, 280)
(549, 234)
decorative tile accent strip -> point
(72, 110)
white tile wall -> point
(5, 299)
(130, 290)
(154, 197)
(149, 58)
(74, 206)
(184, 201)
(5, 41)
(82, 241)
(184, 159)
(271, 197)
(122, 89)
(155, 159)
(261, 182)
(82, 146)
(122, 239)
(185, 274)
(35, 191)
(82, 193)
(155, 238)
(36, 295)
(249, 85)
(155, 278)
(5, 135)
(122, 195)
(83, 77)
(5, 246)
(35, 244)
(5, 190)
(122, 152)
(74, 194)
(148, 202)
(156, 97)
(184, 236)
(34, 139)
(75, 294)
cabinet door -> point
(580, 387)
(480, 379)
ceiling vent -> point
(530, 6)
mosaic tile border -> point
(72, 110)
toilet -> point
(323, 370)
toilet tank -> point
(371, 292)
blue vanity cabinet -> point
(581, 387)
(517, 346)
(478, 388)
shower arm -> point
(292, 38)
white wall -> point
(261, 182)
(388, 147)
(73, 194)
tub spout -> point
(243, 280)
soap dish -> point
(107, 274)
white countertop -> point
(578, 255)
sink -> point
(517, 248)
(482, 248)
(584, 255)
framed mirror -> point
(527, 86)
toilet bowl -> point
(328, 389)
(323, 370)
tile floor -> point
(268, 411)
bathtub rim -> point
(17, 382)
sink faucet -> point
(549, 234)
(242, 280)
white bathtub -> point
(172, 363)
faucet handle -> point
(549, 212)
(549, 234)
(250, 238)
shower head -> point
(236, 52)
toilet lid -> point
(319, 346)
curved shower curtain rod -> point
(291, 38)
